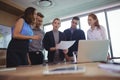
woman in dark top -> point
(50, 41)
(21, 36)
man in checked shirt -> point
(36, 48)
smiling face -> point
(56, 24)
(91, 21)
(39, 21)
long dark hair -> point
(28, 15)
(95, 18)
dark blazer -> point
(77, 35)
(48, 42)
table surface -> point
(92, 72)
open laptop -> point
(92, 50)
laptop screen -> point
(92, 50)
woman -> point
(21, 36)
(96, 32)
(50, 41)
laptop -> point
(92, 50)
(114, 61)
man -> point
(74, 34)
(35, 48)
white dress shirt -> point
(96, 34)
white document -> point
(65, 44)
(65, 70)
(110, 67)
(7, 69)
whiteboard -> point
(5, 36)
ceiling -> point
(10, 8)
(63, 8)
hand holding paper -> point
(65, 44)
(65, 51)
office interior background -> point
(108, 15)
(109, 18)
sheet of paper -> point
(65, 70)
(110, 67)
(7, 69)
(65, 44)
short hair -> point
(75, 17)
(40, 14)
(56, 19)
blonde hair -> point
(56, 19)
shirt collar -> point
(93, 29)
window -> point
(65, 25)
(84, 24)
(48, 28)
(114, 26)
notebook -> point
(92, 50)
